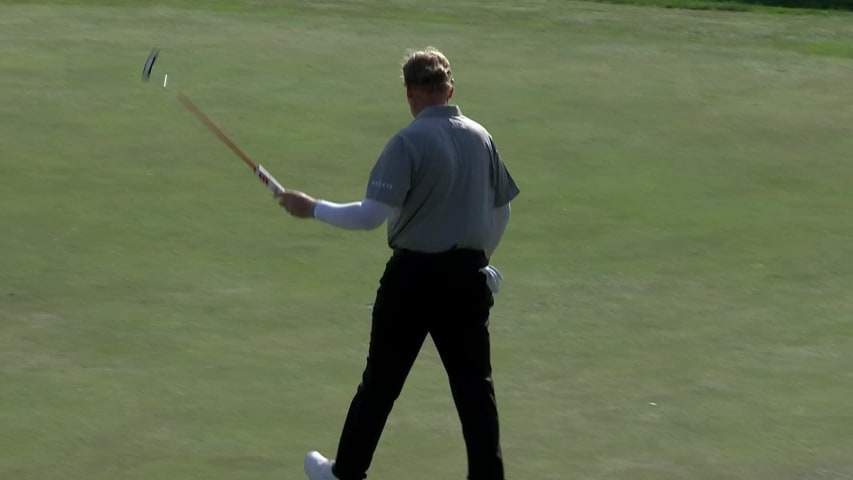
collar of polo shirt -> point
(440, 111)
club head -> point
(149, 64)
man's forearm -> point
(364, 215)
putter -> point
(263, 175)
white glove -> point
(493, 278)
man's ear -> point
(450, 94)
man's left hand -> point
(296, 203)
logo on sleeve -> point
(381, 185)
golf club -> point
(263, 175)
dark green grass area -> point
(774, 6)
(677, 302)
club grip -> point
(267, 179)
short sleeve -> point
(502, 182)
(391, 177)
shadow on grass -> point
(809, 4)
(742, 5)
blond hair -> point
(428, 69)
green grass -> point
(678, 268)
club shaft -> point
(215, 129)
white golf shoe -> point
(318, 467)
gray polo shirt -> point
(444, 176)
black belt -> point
(405, 252)
(456, 257)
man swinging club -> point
(445, 193)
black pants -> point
(443, 295)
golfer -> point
(445, 193)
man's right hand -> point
(297, 203)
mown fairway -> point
(679, 266)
